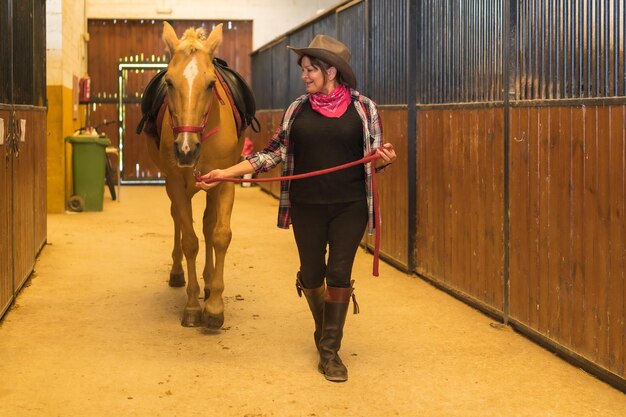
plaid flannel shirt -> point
(278, 150)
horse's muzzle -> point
(186, 151)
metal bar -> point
(616, 44)
(413, 53)
(598, 49)
(606, 48)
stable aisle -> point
(97, 333)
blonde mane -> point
(192, 41)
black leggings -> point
(341, 227)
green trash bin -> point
(89, 170)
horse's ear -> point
(170, 38)
(214, 40)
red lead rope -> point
(365, 160)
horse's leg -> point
(208, 226)
(192, 314)
(177, 275)
(216, 227)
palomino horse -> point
(198, 132)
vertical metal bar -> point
(540, 19)
(606, 48)
(616, 43)
(483, 50)
(606, 67)
(524, 30)
(623, 71)
(588, 48)
(573, 37)
(413, 54)
(581, 47)
(598, 49)
(462, 10)
(565, 33)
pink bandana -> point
(333, 104)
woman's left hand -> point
(387, 153)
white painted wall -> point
(65, 46)
(271, 18)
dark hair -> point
(323, 66)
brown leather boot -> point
(335, 311)
(315, 298)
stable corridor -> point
(97, 333)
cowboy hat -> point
(331, 51)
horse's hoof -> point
(192, 318)
(177, 279)
(213, 321)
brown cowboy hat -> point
(331, 51)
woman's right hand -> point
(212, 175)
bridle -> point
(196, 129)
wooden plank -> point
(603, 246)
(577, 230)
(440, 260)
(472, 213)
(519, 212)
(615, 290)
(495, 201)
(563, 222)
(23, 204)
(591, 289)
(543, 176)
(534, 269)
(553, 213)
(393, 190)
(449, 224)
(480, 217)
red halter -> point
(196, 129)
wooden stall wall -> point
(516, 172)
(139, 41)
(23, 143)
(568, 234)
(460, 211)
(23, 206)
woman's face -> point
(313, 78)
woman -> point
(332, 124)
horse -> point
(198, 132)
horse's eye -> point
(168, 83)
(211, 85)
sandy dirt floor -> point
(97, 333)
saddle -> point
(239, 94)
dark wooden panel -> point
(40, 207)
(568, 233)
(6, 275)
(459, 237)
(617, 234)
(23, 203)
(393, 192)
